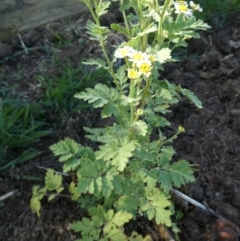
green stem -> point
(94, 15)
(131, 95)
(146, 92)
(126, 22)
(145, 37)
(110, 70)
(109, 62)
(160, 37)
(170, 139)
(139, 4)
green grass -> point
(21, 125)
(23, 122)
(59, 91)
(216, 11)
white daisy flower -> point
(133, 74)
(182, 8)
(123, 52)
(138, 56)
(195, 7)
(145, 68)
(182, 2)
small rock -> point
(224, 231)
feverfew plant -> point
(131, 173)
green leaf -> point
(127, 204)
(90, 229)
(117, 184)
(119, 29)
(181, 173)
(108, 110)
(165, 94)
(102, 8)
(182, 27)
(85, 185)
(35, 205)
(107, 187)
(51, 197)
(95, 178)
(114, 226)
(98, 33)
(166, 155)
(120, 218)
(165, 181)
(52, 180)
(126, 4)
(190, 96)
(117, 153)
(116, 234)
(60, 189)
(66, 146)
(97, 211)
(99, 96)
(99, 63)
(150, 29)
(156, 206)
(162, 108)
(141, 127)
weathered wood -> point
(21, 15)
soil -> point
(210, 67)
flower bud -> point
(181, 129)
(139, 112)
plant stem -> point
(102, 44)
(94, 15)
(146, 92)
(159, 35)
(125, 21)
(139, 3)
(110, 70)
(131, 95)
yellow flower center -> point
(132, 74)
(137, 57)
(145, 68)
(123, 52)
(152, 58)
(183, 8)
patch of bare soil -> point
(210, 68)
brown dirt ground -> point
(210, 68)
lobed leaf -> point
(117, 153)
(53, 180)
(99, 96)
(102, 8)
(181, 173)
(99, 63)
(66, 146)
(141, 127)
(156, 206)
